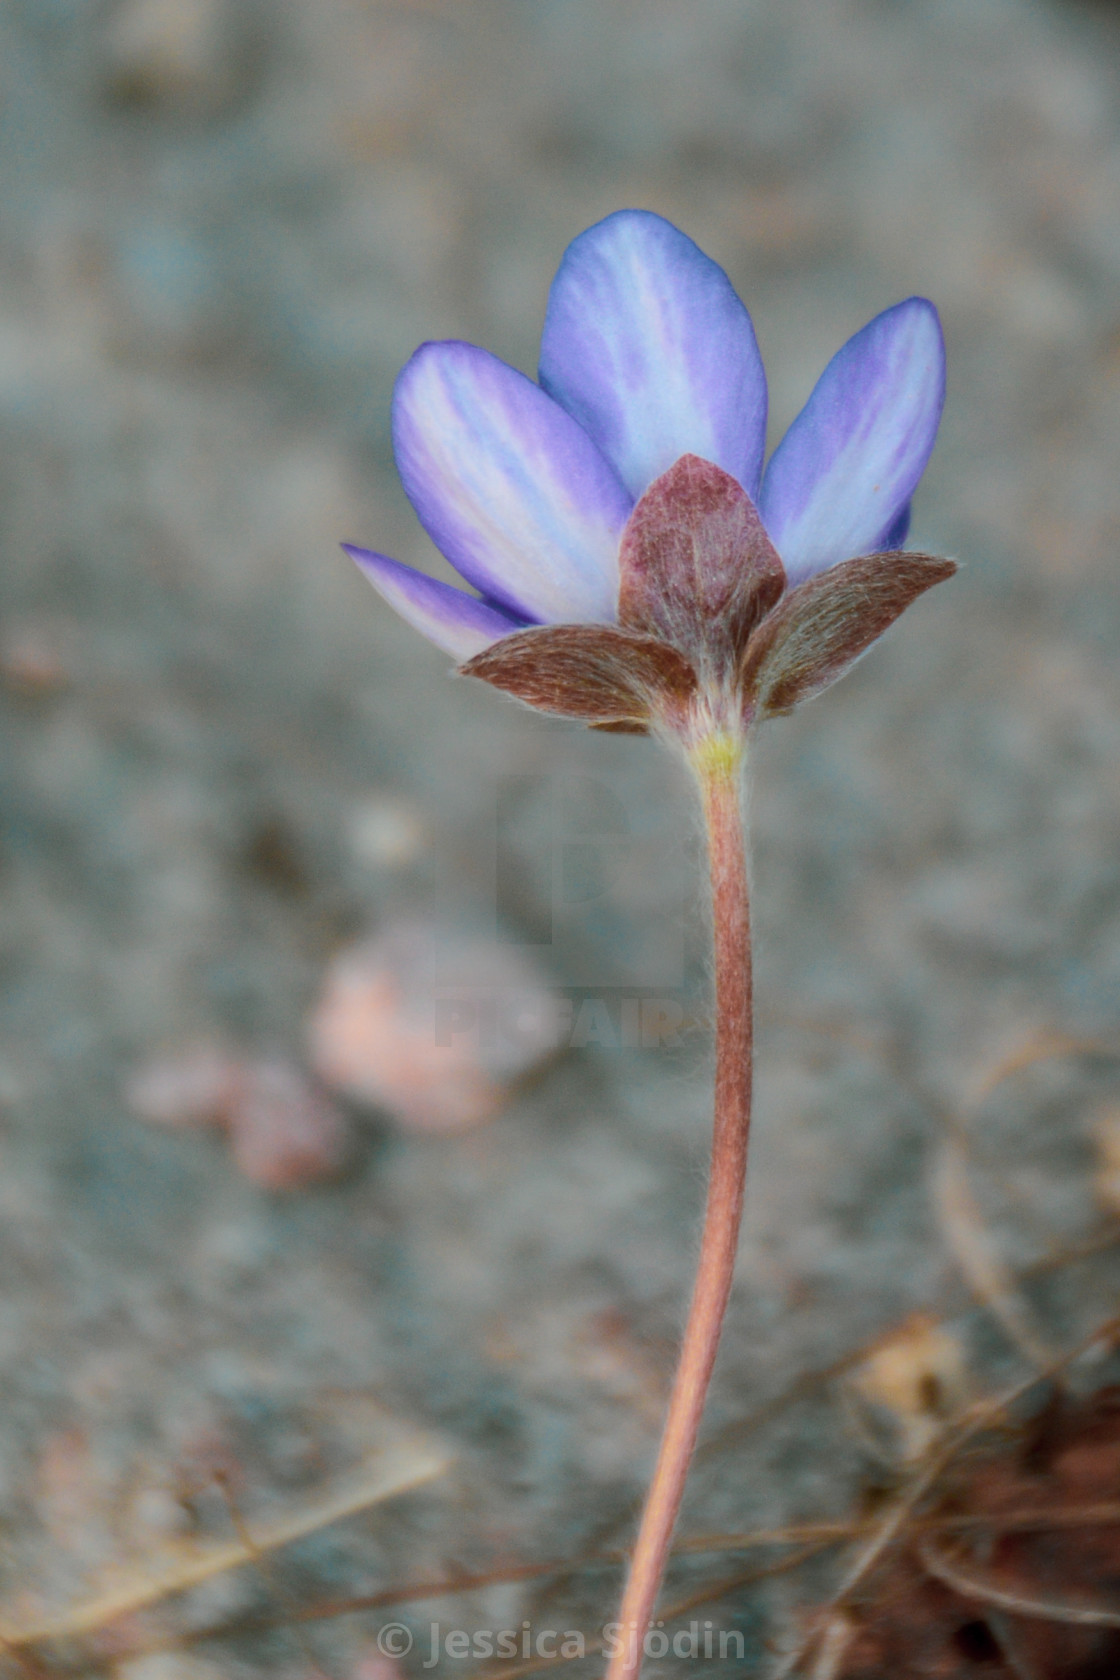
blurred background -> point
(249, 829)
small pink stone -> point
(284, 1132)
(376, 1667)
(31, 664)
(67, 1484)
(431, 1025)
(193, 1088)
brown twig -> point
(671, 1612)
(262, 1562)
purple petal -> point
(459, 624)
(841, 477)
(895, 534)
(507, 486)
(647, 345)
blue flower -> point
(650, 418)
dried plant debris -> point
(225, 1503)
(962, 1226)
(915, 1377)
(1015, 1570)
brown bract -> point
(591, 671)
(819, 630)
(709, 634)
(696, 567)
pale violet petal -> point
(840, 479)
(508, 486)
(647, 345)
(458, 623)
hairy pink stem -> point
(719, 786)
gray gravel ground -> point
(217, 252)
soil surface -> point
(226, 226)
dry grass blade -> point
(834, 1645)
(958, 1211)
(1039, 1519)
(966, 1237)
(809, 1539)
(407, 1463)
(797, 1534)
(985, 1590)
(420, 1590)
(417, 1460)
(817, 1535)
(1044, 1047)
(263, 1563)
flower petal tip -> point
(510, 489)
(841, 479)
(648, 346)
(458, 623)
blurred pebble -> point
(607, 1351)
(273, 857)
(432, 1025)
(31, 665)
(386, 833)
(67, 1487)
(376, 1667)
(174, 54)
(283, 1131)
(193, 1088)
(168, 1665)
(156, 1513)
(12, 1087)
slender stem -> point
(719, 788)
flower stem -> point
(719, 788)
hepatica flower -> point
(635, 567)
